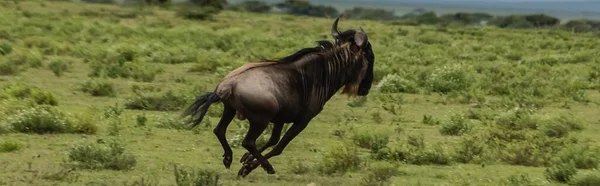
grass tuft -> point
(110, 156)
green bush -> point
(592, 179)
(430, 120)
(23, 91)
(25, 59)
(171, 122)
(583, 156)
(99, 87)
(394, 83)
(10, 146)
(48, 120)
(519, 180)
(120, 61)
(340, 159)
(449, 78)
(457, 125)
(371, 140)
(189, 176)
(561, 173)
(96, 156)
(8, 68)
(5, 47)
(299, 167)
(415, 151)
(471, 148)
(165, 101)
(379, 173)
(60, 65)
(435, 155)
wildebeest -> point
(293, 89)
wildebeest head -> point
(359, 41)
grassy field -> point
(91, 95)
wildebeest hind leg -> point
(256, 128)
(221, 129)
(275, 135)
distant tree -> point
(371, 14)
(578, 26)
(218, 4)
(99, 1)
(303, 7)
(253, 6)
(541, 20)
(512, 21)
(593, 23)
(427, 18)
(462, 18)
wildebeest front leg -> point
(256, 128)
(221, 129)
(296, 128)
(275, 135)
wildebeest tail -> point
(198, 109)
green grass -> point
(451, 106)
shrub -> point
(561, 173)
(60, 65)
(25, 92)
(471, 148)
(517, 118)
(415, 151)
(394, 83)
(583, 156)
(457, 125)
(170, 122)
(117, 64)
(167, 101)
(99, 87)
(5, 47)
(519, 180)
(370, 140)
(24, 60)
(185, 176)
(436, 155)
(585, 180)
(96, 156)
(141, 120)
(298, 167)
(379, 173)
(340, 159)
(9, 146)
(449, 78)
(48, 120)
(429, 120)
(8, 68)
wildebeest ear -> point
(360, 38)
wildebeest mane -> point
(323, 45)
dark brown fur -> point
(293, 89)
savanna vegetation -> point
(91, 94)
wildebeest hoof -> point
(243, 172)
(246, 158)
(270, 170)
(246, 169)
(227, 159)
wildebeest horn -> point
(334, 31)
